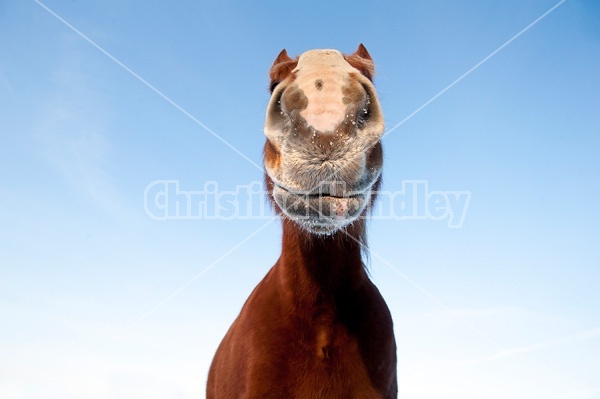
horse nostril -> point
(364, 113)
(274, 85)
(277, 102)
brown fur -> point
(315, 327)
(281, 68)
(362, 61)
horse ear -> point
(363, 53)
(282, 57)
(361, 60)
(281, 68)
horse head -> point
(323, 154)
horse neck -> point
(316, 267)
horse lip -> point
(320, 213)
(316, 193)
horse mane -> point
(364, 65)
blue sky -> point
(99, 300)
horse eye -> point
(274, 85)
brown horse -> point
(316, 327)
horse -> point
(316, 327)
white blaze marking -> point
(326, 109)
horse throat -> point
(322, 265)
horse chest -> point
(330, 366)
(324, 347)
